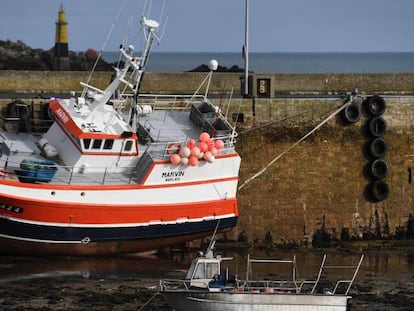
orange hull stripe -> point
(96, 214)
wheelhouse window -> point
(128, 145)
(206, 270)
(200, 271)
(86, 143)
(212, 270)
(97, 143)
(108, 144)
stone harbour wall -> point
(323, 180)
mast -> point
(137, 64)
(151, 27)
(246, 50)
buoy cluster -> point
(192, 151)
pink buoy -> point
(204, 137)
(184, 161)
(191, 143)
(211, 159)
(193, 161)
(175, 159)
(214, 151)
(203, 146)
(184, 152)
(206, 155)
(219, 144)
(195, 151)
(210, 144)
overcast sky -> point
(218, 25)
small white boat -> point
(208, 288)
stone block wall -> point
(322, 179)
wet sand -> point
(385, 283)
(94, 294)
(383, 294)
(123, 294)
(114, 283)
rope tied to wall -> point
(264, 169)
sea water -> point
(378, 62)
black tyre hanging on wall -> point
(375, 105)
(379, 169)
(378, 147)
(351, 113)
(377, 126)
(379, 190)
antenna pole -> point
(212, 241)
(246, 50)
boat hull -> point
(22, 239)
(48, 220)
(51, 219)
(234, 301)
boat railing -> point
(283, 286)
(252, 286)
(347, 283)
(174, 147)
(67, 174)
(289, 284)
(162, 101)
(180, 102)
(94, 174)
(293, 284)
(267, 286)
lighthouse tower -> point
(61, 54)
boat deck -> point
(169, 126)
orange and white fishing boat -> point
(118, 171)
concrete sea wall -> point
(322, 181)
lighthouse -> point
(61, 52)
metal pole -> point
(246, 50)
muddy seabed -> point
(385, 283)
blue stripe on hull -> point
(114, 234)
